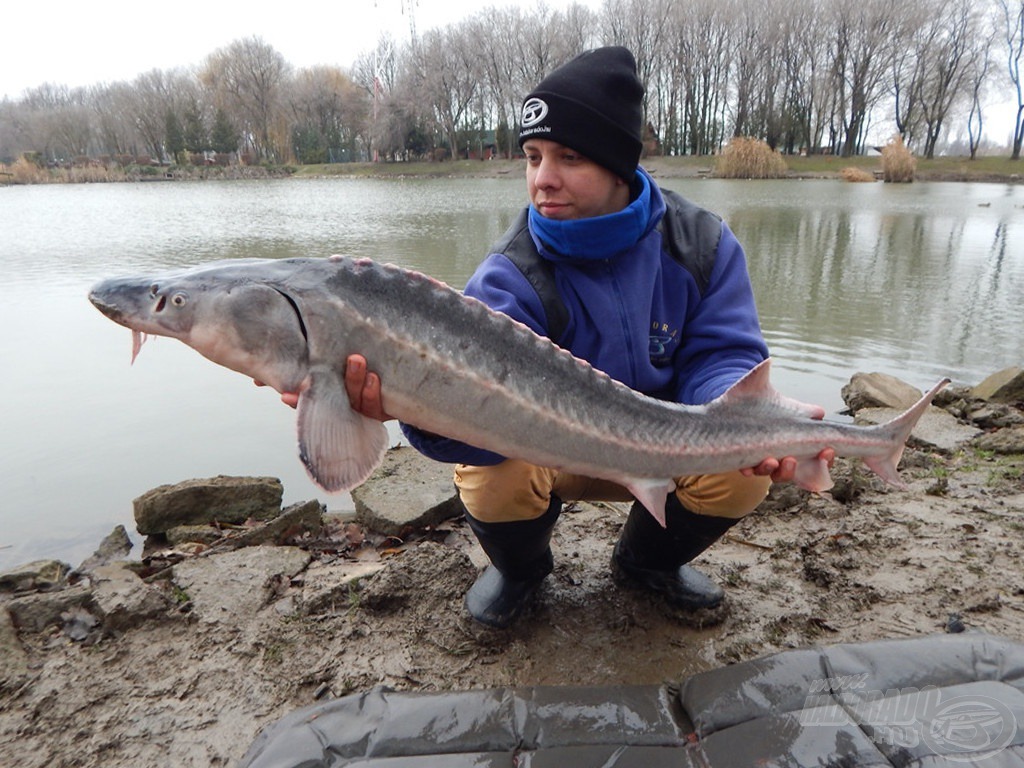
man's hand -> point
(288, 398)
(363, 389)
(783, 470)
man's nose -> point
(546, 175)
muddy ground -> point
(866, 563)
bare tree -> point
(868, 32)
(115, 128)
(950, 59)
(809, 100)
(1013, 24)
(328, 113)
(701, 65)
(448, 81)
(246, 78)
(496, 49)
(978, 78)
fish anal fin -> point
(813, 475)
(339, 446)
(886, 467)
(652, 493)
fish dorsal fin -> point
(339, 447)
(755, 392)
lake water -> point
(921, 281)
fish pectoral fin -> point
(339, 446)
(652, 493)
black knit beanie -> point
(593, 104)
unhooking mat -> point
(943, 701)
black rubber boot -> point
(655, 558)
(520, 554)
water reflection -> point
(921, 281)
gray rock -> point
(937, 430)
(236, 584)
(989, 415)
(13, 659)
(116, 546)
(1006, 441)
(329, 588)
(36, 612)
(407, 491)
(199, 534)
(1006, 386)
(425, 573)
(39, 574)
(80, 625)
(304, 517)
(122, 600)
(878, 390)
(194, 502)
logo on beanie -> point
(534, 110)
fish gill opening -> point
(298, 313)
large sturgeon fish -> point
(450, 365)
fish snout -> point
(104, 305)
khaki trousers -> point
(515, 490)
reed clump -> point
(24, 171)
(856, 175)
(898, 163)
(746, 158)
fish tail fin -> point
(885, 465)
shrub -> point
(745, 158)
(856, 174)
(898, 163)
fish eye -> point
(179, 299)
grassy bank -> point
(1000, 169)
(992, 169)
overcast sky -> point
(103, 41)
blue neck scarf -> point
(599, 237)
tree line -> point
(802, 75)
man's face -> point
(563, 184)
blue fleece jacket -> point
(634, 311)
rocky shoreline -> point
(239, 611)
